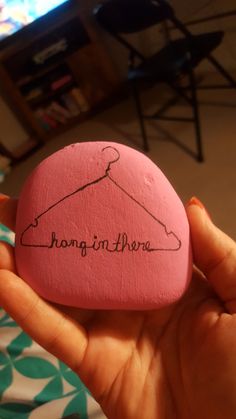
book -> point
(81, 100)
(34, 93)
(57, 84)
(56, 116)
(39, 113)
(70, 104)
(60, 109)
(50, 120)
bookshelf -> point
(56, 79)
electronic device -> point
(18, 17)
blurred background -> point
(38, 74)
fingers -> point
(48, 326)
(83, 316)
(214, 254)
(8, 207)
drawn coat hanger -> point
(100, 216)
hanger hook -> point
(114, 160)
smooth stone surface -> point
(99, 226)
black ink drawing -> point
(121, 243)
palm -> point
(154, 364)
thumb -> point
(214, 253)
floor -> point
(213, 181)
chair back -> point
(130, 16)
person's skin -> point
(177, 362)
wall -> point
(226, 52)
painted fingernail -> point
(195, 201)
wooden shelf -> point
(39, 74)
(88, 63)
(25, 148)
(120, 94)
(69, 124)
(44, 98)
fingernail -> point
(195, 201)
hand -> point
(175, 363)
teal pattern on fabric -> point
(4, 228)
(6, 235)
(37, 368)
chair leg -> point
(180, 92)
(195, 107)
(140, 116)
(222, 71)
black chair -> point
(179, 57)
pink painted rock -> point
(99, 226)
